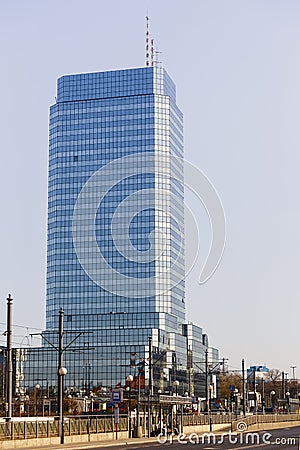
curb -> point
(100, 444)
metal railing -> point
(206, 419)
(28, 429)
(50, 428)
(264, 418)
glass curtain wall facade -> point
(115, 250)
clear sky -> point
(236, 66)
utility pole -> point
(139, 396)
(282, 386)
(9, 368)
(206, 380)
(61, 372)
(150, 386)
(223, 365)
(243, 387)
(295, 384)
(150, 367)
(208, 390)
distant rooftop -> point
(258, 369)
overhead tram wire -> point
(23, 326)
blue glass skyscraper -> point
(115, 249)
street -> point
(282, 438)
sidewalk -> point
(98, 444)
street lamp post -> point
(236, 399)
(129, 379)
(62, 371)
(175, 385)
(209, 404)
(273, 399)
(288, 401)
(263, 396)
(2, 357)
(139, 397)
(36, 388)
(150, 393)
(282, 386)
(160, 414)
(26, 404)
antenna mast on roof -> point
(147, 42)
(152, 53)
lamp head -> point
(62, 371)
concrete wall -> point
(274, 425)
(205, 428)
(24, 443)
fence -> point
(190, 420)
(92, 425)
(50, 428)
(265, 419)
